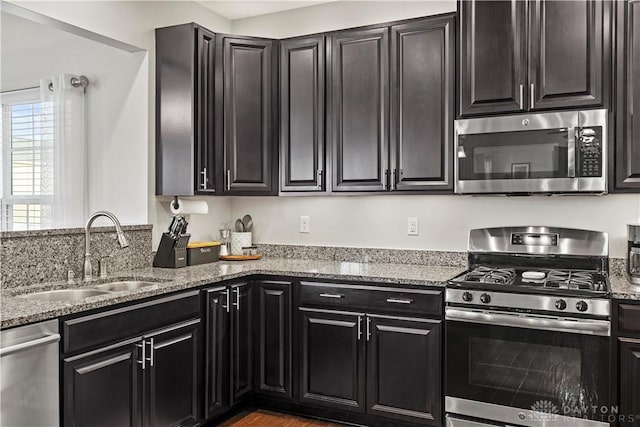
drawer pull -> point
(399, 301)
(338, 296)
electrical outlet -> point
(412, 226)
(305, 224)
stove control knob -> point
(582, 306)
(561, 304)
(485, 298)
(467, 297)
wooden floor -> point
(262, 418)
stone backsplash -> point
(46, 255)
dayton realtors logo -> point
(544, 410)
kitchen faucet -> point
(122, 240)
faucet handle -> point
(103, 266)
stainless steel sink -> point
(64, 294)
(124, 285)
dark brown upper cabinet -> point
(359, 110)
(566, 51)
(533, 55)
(215, 118)
(246, 72)
(184, 111)
(627, 129)
(493, 61)
(302, 112)
(422, 104)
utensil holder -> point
(172, 251)
(240, 240)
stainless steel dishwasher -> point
(29, 381)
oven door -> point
(527, 370)
(528, 153)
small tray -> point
(239, 257)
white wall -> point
(335, 16)
(444, 221)
(116, 107)
(134, 22)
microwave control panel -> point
(589, 151)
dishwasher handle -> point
(29, 345)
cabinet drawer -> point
(629, 318)
(127, 322)
(373, 298)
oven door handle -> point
(578, 326)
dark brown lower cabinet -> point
(273, 352)
(173, 378)
(403, 369)
(152, 381)
(332, 359)
(217, 397)
(241, 341)
(103, 388)
(629, 382)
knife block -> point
(172, 251)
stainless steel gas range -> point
(527, 330)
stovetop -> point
(534, 280)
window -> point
(26, 183)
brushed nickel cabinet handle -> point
(399, 301)
(204, 178)
(144, 357)
(319, 179)
(337, 296)
(228, 176)
(521, 99)
(359, 327)
(533, 94)
(368, 328)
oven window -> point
(522, 367)
(519, 367)
(535, 154)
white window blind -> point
(27, 161)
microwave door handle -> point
(571, 152)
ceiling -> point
(239, 9)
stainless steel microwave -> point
(560, 152)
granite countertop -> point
(16, 311)
(622, 288)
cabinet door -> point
(332, 366)
(493, 62)
(422, 99)
(217, 351)
(627, 140)
(302, 145)
(360, 109)
(173, 376)
(248, 115)
(241, 341)
(204, 129)
(404, 369)
(175, 110)
(629, 381)
(274, 339)
(103, 388)
(566, 53)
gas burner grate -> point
(500, 276)
(568, 279)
